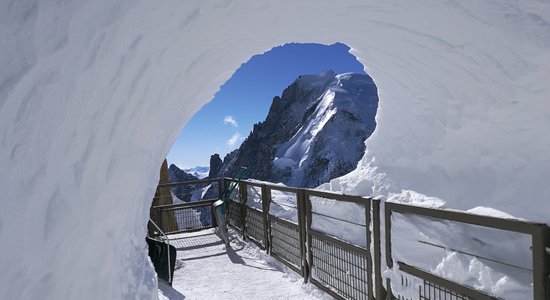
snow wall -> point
(93, 94)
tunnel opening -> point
(90, 91)
(325, 83)
(254, 120)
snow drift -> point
(90, 88)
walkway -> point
(205, 269)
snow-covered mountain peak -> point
(316, 80)
(330, 140)
(314, 132)
(199, 171)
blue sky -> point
(222, 124)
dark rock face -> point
(283, 120)
(313, 133)
(176, 174)
(215, 165)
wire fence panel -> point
(432, 291)
(186, 217)
(285, 243)
(501, 245)
(424, 285)
(234, 215)
(339, 266)
(255, 225)
(425, 290)
(409, 288)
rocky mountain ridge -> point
(314, 132)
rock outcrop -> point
(215, 165)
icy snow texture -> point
(89, 88)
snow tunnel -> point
(93, 94)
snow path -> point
(206, 270)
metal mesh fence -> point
(234, 215)
(255, 225)
(423, 290)
(285, 243)
(432, 291)
(408, 284)
(339, 266)
(185, 218)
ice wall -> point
(93, 94)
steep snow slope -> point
(88, 88)
(330, 140)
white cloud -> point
(229, 120)
(236, 139)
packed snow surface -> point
(94, 93)
(207, 269)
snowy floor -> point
(205, 269)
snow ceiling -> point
(94, 93)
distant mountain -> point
(176, 174)
(183, 193)
(200, 172)
(191, 192)
(314, 132)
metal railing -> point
(190, 205)
(285, 222)
(539, 236)
(161, 236)
(190, 191)
(186, 217)
(341, 268)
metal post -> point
(387, 219)
(242, 206)
(370, 274)
(300, 197)
(380, 291)
(266, 199)
(309, 261)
